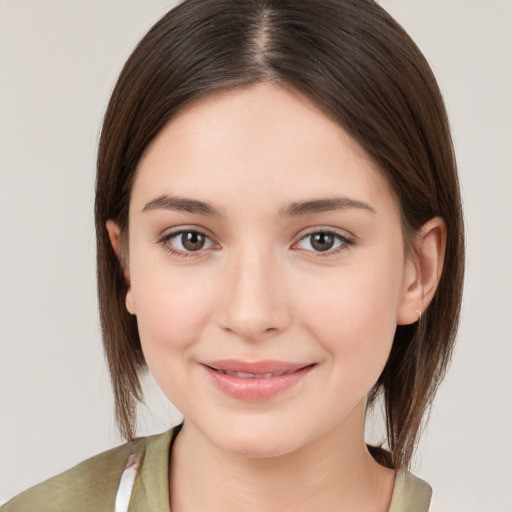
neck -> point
(335, 472)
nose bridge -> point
(253, 302)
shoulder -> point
(89, 486)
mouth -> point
(258, 380)
(245, 375)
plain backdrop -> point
(58, 62)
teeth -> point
(244, 375)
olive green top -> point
(92, 485)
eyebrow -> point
(181, 204)
(324, 205)
(296, 209)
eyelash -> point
(344, 242)
(165, 242)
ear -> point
(423, 269)
(114, 233)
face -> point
(267, 271)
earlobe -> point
(129, 302)
(114, 233)
(422, 271)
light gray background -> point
(58, 63)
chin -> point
(258, 447)
(256, 438)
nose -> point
(253, 301)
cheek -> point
(354, 318)
(173, 308)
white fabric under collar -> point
(125, 489)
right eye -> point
(186, 241)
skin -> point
(260, 290)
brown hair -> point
(361, 68)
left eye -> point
(189, 241)
(322, 241)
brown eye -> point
(183, 242)
(192, 240)
(322, 241)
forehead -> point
(263, 144)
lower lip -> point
(256, 389)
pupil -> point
(322, 241)
(192, 241)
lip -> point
(257, 380)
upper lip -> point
(255, 367)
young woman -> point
(280, 242)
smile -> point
(244, 375)
(255, 381)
